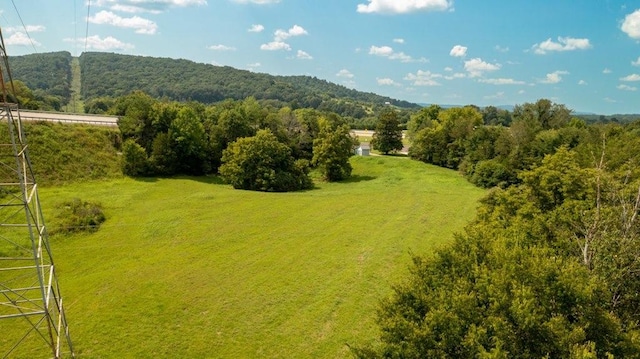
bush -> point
(261, 163)
(134, 159)
(78, 216)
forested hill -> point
(48, 73)
(114, 75)
(107, 74)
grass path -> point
(190, 268)
(75, 105)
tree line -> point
(250, 146)
(550, 267)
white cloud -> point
(380, 51)
(280, 35)
(32, 28)
(398, 41)
(345, 73)
(457, 75)
(423, 78)
(458, 51)
(386, 51)
(448, 69)
(253, 66)
(141, 25)
(522, 92)
(302, 55)
(636, 63)
(496, 96)
(256, 28)
(150, 6)
(296, 30)
(476, 67)
(387, 82)
(563, 44)
(502, 81)
(97, 43)
(610, 100)
(404, 6)
(259, 2)
(630, 78)
(20, 38)
(626, 87)
(501, 49)
(606, 71)
(275, 46)
(221, 48)
(554, 77)
(582, 82)
(631, 25)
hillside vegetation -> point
(107, 76)
(70, 153)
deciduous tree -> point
(388, 135)
(261, 163)
(332, 149)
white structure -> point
(363, 150)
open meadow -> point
(191, 268)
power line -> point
(86, 35)
(24, 27)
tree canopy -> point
(262, 163)
(388, 135)
(548, 269)
(331, 150)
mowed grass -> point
(191, 268)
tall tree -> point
(332, 149)
(388, 135)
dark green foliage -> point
(332, 149)
(443, 141)
(78, 216)
(548, 269)
(105, 74)
(491, 173)
(98, 105)
(388, 135)
(135, 113)
(422, 119)
(134, 159)
(261, 163)
(188, 143)
(47, 74)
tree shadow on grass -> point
(210, 179)
(396, 154)
(357, 178)
(145, 179)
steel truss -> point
(32, 318)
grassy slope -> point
(190, 268)
(67, 153)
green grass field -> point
(190, 268)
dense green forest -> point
(107, 76)
(46, 78)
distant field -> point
(190, 268)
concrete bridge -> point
(67, 118)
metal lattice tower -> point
(32, 319)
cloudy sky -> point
(583, 54)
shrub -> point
(78, 216)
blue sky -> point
(584, 54)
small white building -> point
(363, 150)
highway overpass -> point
(67, 118)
